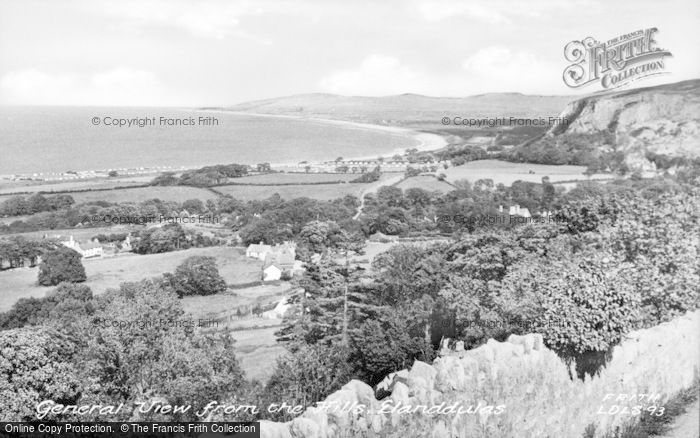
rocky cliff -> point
(517, 388)
(663, 120)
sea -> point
(51, 139)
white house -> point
(258, 251)
(515, 210)
(280, 260)
(86, 249)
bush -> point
(197, 275)
(36, 365)
(59, 265)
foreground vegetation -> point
(614, 258)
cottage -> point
(258, 251)
(278, 263)
(86, 249)
(515, 210)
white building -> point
(258, 251)
(515, 210)
(85, 249)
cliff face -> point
(517, 388)
(660, 120)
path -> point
(373, 188)
(686, 425)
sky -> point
(222, 52)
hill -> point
(653, 128)
(408, 110)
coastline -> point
(426, 141)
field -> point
(96, 183)
(109, 272)
(503, 172)
(294, 177)
(166, 193)
(139, 194)
(256, 345)
(425, 182)
(323, 192)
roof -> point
(257, 247)
(90, 245)
(283, 260)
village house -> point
(257, 251)
(260, 250)
(85, 249)
(280, 262)
(516, 210)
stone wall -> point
(517, 388)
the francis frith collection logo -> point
(615, 62)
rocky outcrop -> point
(518, 388)
(660, 120)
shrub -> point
(36, 365)
(59, 265)
(197, 275)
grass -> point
(136, 194)
(109, 272)
(323, 192)
(506, 173)
(101, 183)
(166, 193)
(650, 425)
(426, 182)
(290, 178)
(256, 346)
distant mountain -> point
(409, 110)
(645, 125)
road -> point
(373, 187)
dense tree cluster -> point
(21, 205)
(618, 258)
(197, 275)
(59, 265)
(17, 251)
(135, 345)
(203, 177)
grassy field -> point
(109, 272)
(321, 192)
(174, 193)
(289, 178)
(506, 173)
(138, 194)
(256, 345)
(98, 183)
(425, 182)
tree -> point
(197, 275)
(36, 365)
(62, 305)
(195, 206)
(161, 355)
(386, 344)
(307, 375)
(59, 265)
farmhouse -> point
(279, 262)
(85, 249)
(257, 251)
(516, 210)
